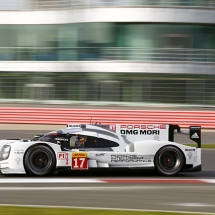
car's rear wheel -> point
(169, 161)
(40, 160)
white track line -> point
(209, 181)
(49, 180)
(103, 180)
(97, 188)
(100, 208)
(193, 205)
(113, 188)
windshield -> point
(50, 137)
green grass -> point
(204, 146)
(16, 210)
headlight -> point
(5, 152)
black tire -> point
(40, 160)
(169, 161)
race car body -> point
(85, 146)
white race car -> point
(85, 146)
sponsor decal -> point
(190, 150)
(61, 139)
(141, 129)
(190, 155)
(141, 132)
(61, 156)
(79, 161)
(100, 154)
(67, 158)
(19, 152)
(130, 158)
(113, 127)
(195, 127)
(150, 127)
(79, 154)
(195, 135)
(17, 160)
(73, 126)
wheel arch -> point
(36, 144)
(174, 147)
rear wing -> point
(194, 133)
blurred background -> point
(108, 52)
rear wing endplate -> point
(194, 133)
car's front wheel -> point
(40, 160)
(169, 161)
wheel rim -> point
(40, 160)
(169, 160)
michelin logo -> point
(195, 135)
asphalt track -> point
(156, 196)
(137, 196)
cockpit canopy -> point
(77, 140)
